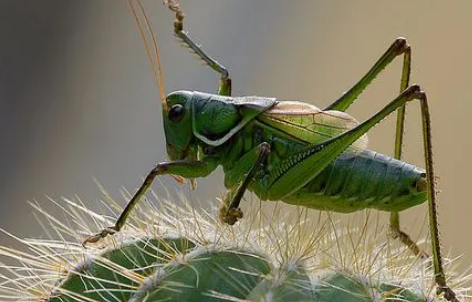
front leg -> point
(187, 169)
(225, 81)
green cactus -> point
(176, 253)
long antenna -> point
(150, 44)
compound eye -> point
(176, 113)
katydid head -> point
(178, 124)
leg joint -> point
(401, 45)
(264, 148)
(160, 168)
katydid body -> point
(293, 151)
(355, 180)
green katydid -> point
(293, 151)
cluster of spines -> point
(176, 269)
(180, 254)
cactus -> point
(177, 253)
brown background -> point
(77, 98)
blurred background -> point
(78, 99)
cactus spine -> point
(177, 253)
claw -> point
(98, 236)
(173, 5)
(230, 216)
(448, 293)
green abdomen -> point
(363, 180)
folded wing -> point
(310, 124)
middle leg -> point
(238, 180)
